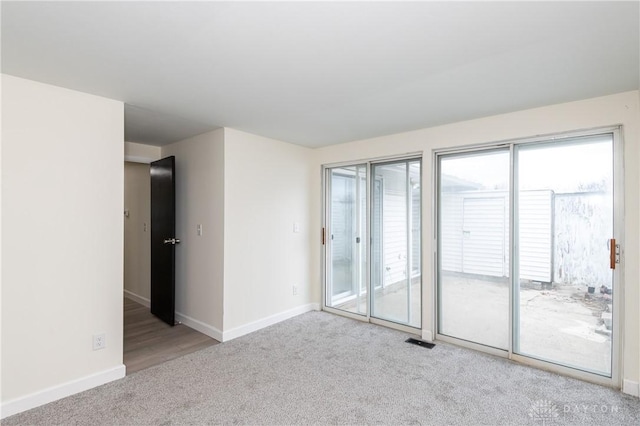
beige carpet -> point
(319, 368)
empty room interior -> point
(320, 212)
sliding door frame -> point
(617, 341)
(326, 251)
(478, 149)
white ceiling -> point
(322, 73)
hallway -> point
(148, 341)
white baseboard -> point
(197, 325)
(270, 320)
(220, 336)
(427, 335)
(631, 388)
(138, 299)
(54, 393)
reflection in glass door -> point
(473, 287)
(346, 238)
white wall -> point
(137, 230)
(141, 153)
(268, 188)
(199, 259)
(604, 111)
(247, 192)
(62, 200)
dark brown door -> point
(163, 239)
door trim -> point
(617, 340)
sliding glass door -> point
(563, 297)
(524, 253)
(397, 288)
(347, 254)
(473, 213)
(373, 240)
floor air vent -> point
(420, 343)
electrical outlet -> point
(295, 290)
(199, 230)
(99, 341)
(144, 227)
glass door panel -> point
(346, 235)
(473, 238)
(563, 296)
(395, 238)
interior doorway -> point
(137, 232)
(148, 340)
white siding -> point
(535, 235)
(395, 230)
(451, 232)
(377, 267)
(415, 232)
(342, 217)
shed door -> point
(483, 236)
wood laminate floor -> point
(148, 341)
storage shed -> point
(474, 231)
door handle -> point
(173, 241)
(614, 253)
